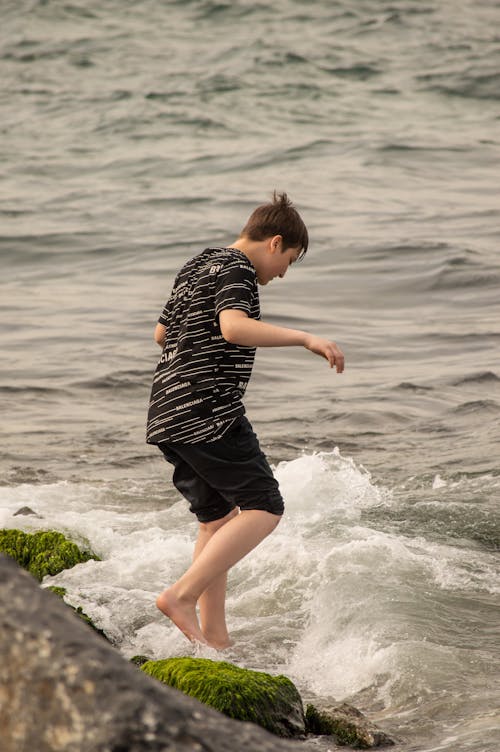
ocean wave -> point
(121, 380)
(357, 71)
(483, 86)
(407, 386)
(477, 406)
(31, 390)
(464, 338)
(421, 148)
(459, 271)
(215, 9)
(482, 377)
(392, 251)
(433, 266)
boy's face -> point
(275, 262)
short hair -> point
(279, 217)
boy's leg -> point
(230, 543)
(212, 602)
(214, 477)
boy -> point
(208, 332)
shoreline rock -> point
(348, 725)
(64, 689)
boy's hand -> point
(327, 350)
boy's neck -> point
(253, 249)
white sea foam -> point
(329, 599)
(327, 482)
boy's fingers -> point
(329, 351)
(337, 359)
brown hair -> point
(278, 218)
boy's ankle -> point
(181, 594)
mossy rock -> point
(42, 553)
(272, 702)
(348, 725)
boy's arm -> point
(160, 334)
(239, 329)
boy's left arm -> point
(239, 329)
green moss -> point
(42, 553)
(270, 701)
(60, 591)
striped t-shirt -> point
(201, 379)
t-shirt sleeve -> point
(164, 315)
(235, 287)
(162, 319)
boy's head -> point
(278, 218)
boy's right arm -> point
(237, 328)
(160, 335)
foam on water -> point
(329, 599)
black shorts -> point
(218, 476)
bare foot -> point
(182, 613)
(218, 643)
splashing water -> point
(346, 608)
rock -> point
(64, 689)
(348, 725)
(139, 660)
(272, 702)
(42, 553)
(25, 511)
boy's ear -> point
(275, 243)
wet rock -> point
(272, 702)
(42, 553)
(25, 511)
(348, 725)
(64, 689)
(139, 660)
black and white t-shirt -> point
(201, 379)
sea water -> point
(135, 134)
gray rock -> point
(347, 725)
(25, 511)
(64, 689)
